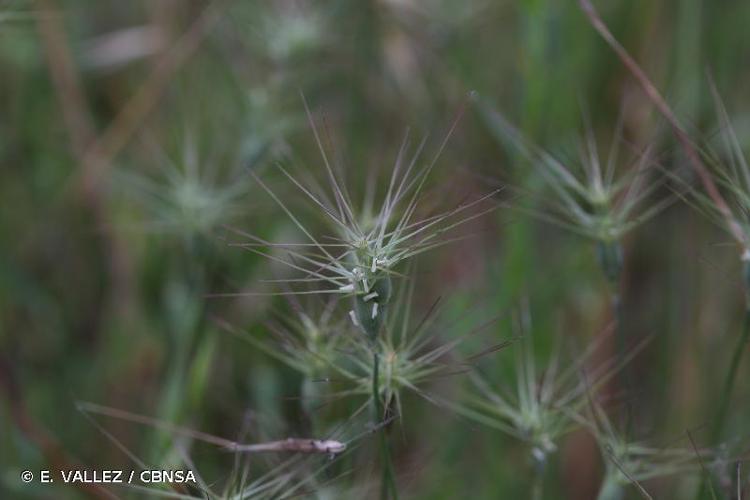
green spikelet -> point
(371, 306)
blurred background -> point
(127, 134)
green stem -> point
(611, 489)
(171, 402)
(610, 256)
(388, 483)
(537, 489)
(310, 400)
(626, 374)
(620, 338)
(729, 382)
(726, 393)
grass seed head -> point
(630, 463)
(367, 245)
(289, 33)
(731, 173)
(308, 344)
(411, 354)
(590, 197)
(191, 197)
(542, 406)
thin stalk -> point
(310, 400)
(732, 376)
(611, 489)
(619, 329)
(172, 397)
(626, 375)
(537, 488)
(609, 254)
(726, 393)
(388, 482)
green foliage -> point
(179, 245)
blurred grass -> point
(96, 306)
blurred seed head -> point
(596, 203)
(283, 32)
(628, 462)
(309, 344)
(731, 173)
(540, 407)
(597, 199)
(266, 124)
(292, 32)
(189, 196)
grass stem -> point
(611, 489)
(610, 257)
(726, 393)
(537, 488)
(388, 482)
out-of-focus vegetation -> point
(168, 216)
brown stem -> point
(53, 453)
(95, 152)
(77, 116)
(656, 98)
(119, 132)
